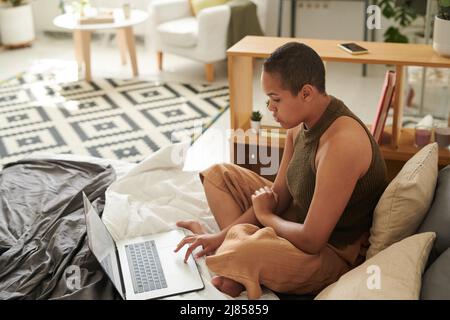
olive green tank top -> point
(301, 178)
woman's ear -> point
(306, 91)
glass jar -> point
(442, 136)
(422, 135)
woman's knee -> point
(250, 240)
(214, 172)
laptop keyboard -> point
(145, 266)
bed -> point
(43, 246)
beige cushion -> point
(405, 201)
(180, 33)
(399, 267)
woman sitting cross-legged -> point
(301, 233)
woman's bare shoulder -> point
(347, 136)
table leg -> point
(77, 40)
(366, 4)
(122, 46)
(129, 37)
(280, 15)
(293, 17)
(398, 106)
(82, 40)
(240, 80)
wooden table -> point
(82, 36)
(240, 78)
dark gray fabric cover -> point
(436, 280)
(43, 231)
(438, 217)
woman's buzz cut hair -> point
(297, 65)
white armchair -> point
(202, 38)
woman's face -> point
(287, 109)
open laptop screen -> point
(102, 244)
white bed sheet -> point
(150, 196)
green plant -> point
(444, 9)
(403, 13)
(15, 3)
(256, 116)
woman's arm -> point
(343, 159)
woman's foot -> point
(192, 225)
(227, 286)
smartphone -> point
(353, 48)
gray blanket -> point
(43, 246)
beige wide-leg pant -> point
(256, 256)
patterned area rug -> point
(108, 118)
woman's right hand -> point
(209, 242)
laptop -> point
(145, 267)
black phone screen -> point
(353, 47)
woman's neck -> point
(318, 109)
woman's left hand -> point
(264, 201)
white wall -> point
(271, 17)
(342, 19)
(44, 11)
(331, 19)
(322, 19)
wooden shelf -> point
(405, 150)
